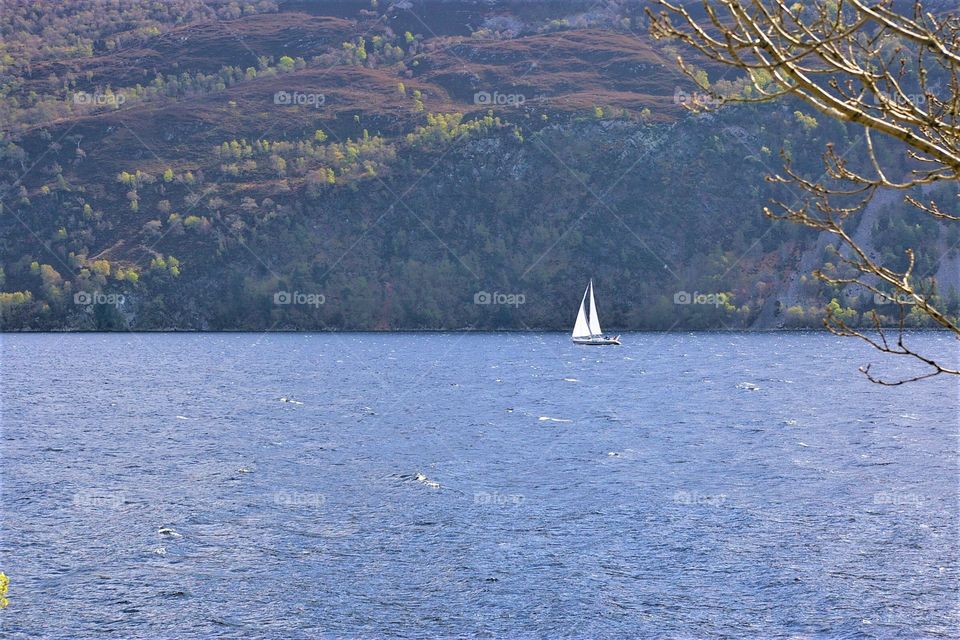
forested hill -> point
(400, 165)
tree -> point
(892, 72)
(101, 267)
(279, 165)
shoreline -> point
(907, 330)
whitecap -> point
(543, 418)
(424, 480)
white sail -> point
(581, 329)
(594, 316)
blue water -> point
(513, 485)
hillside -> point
(348, 165)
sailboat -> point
(587, 328)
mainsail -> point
(594, 316)
(581, 329)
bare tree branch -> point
(855, 61)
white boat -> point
(587, 328)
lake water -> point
(495, 485)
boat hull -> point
(597, 341)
